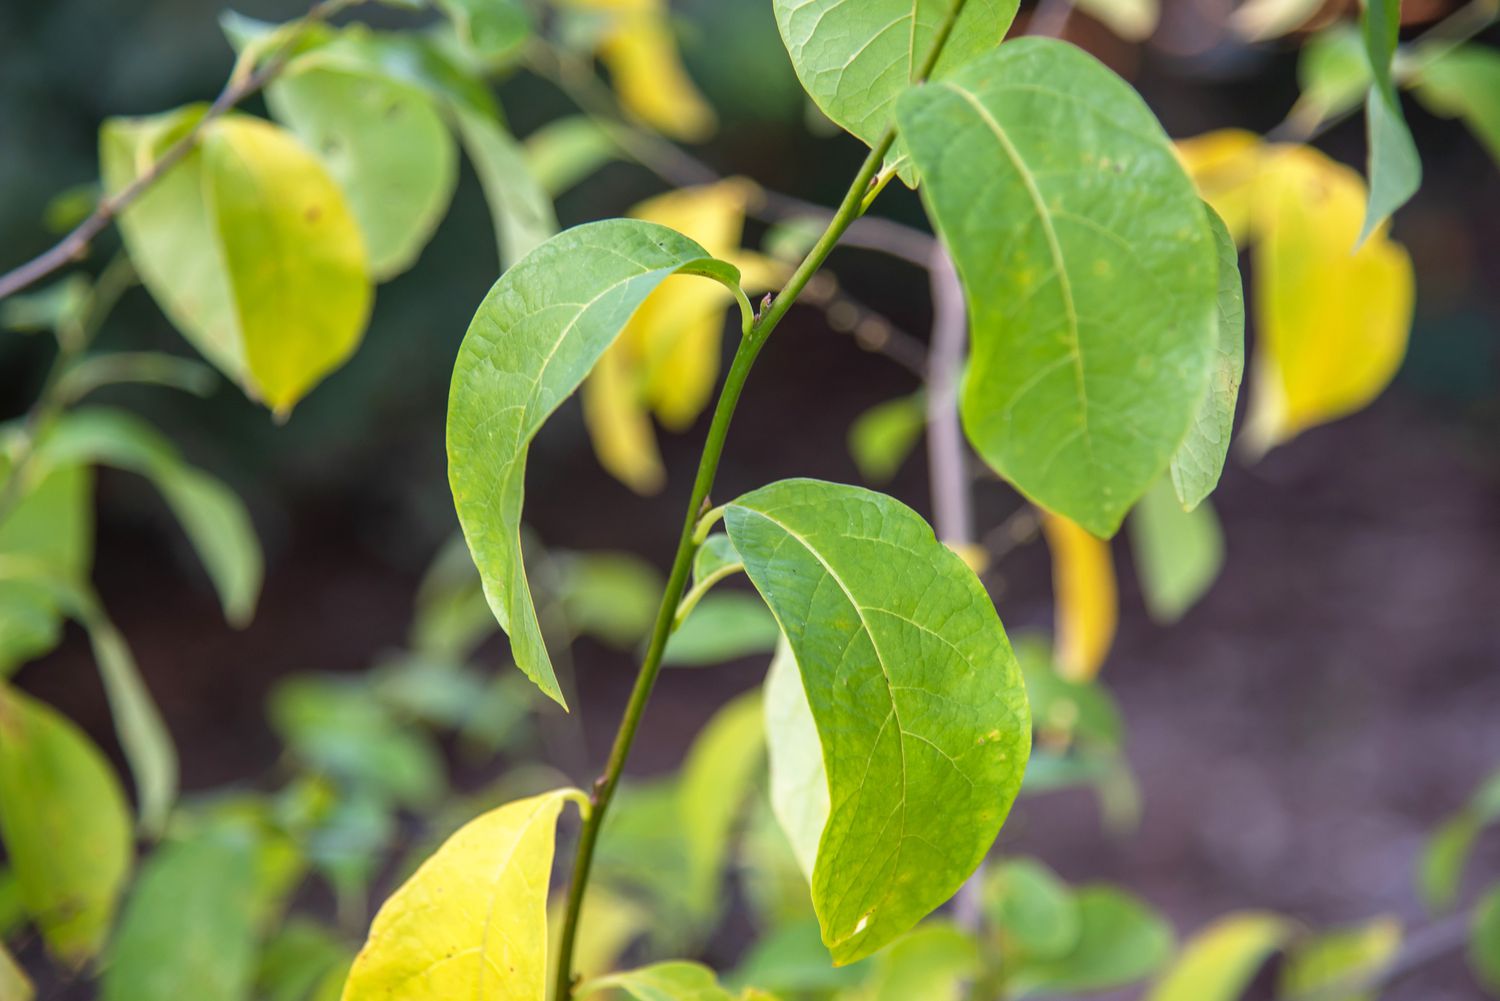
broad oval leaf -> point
(1034, 910)
(1089, 268)
(1219, 963)
(472, 921)
(917, 698)
(855, 57)
(65, 824)
(1120, 940)
(536, 335)
(385, 143)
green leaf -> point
(536, 335)
(882, 437)
(1178, 554)
(1333, 73)
(52, 308)
(1120, 940)
(1066, 711)
(1035, 911)
(214, 519)
(472, 921)
(202, 235)
(1220, 961)
(916, 695)
(491, 29)
(1395, 167)
(452, 617)
(522, 211)
(52, 528)
(673, 981)
(565, 151)
(722, 627)
(65, 825)
(1332, 965)
(610, 596)
(935, 962)
(716, 779)
(1440, 870)
(1093, 328)
(296, 958)
(799, 783)
(188, 930)
(1484, 942)
(715, 559)
(143, 735)
(792, 958)
(1465, 82)
(855, 59)
(386, 144)
(1199, 460)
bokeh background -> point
(1296, 736)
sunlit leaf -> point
(722, 627)
(1178, 554)
(1465, 83)
(65, 825)
(935, 962)
(917, 698)
(716, 778)
(619, 423)
(1121, 940)
(1036, 912)
(1132, 20)
(1221, 960)
(1395, 168)
(535, 336)
(1093, 330)
(882, 437)
(51, 527)
(1332, 964)
(203, 235)
(472, 921)
(673, 981)
(1259, 20)
(1086, 602)
(799, 783)
(1332, 323)
(1484, 942)
(1225, 165)
(188, 929)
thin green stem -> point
(752, 340)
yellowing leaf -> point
(472, 921)
(1259, 20)
(1132, 20)
(619, 426)
(1333, 321)
(1087, 607)
(1220, 962)
(1223, 165)
(641, 56)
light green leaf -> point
(1333, 965)
(521, 209)
(1066, 712)
(151, 368)
(1440, 870)
(1395, 167)
(935, 962)
(882, 437)
(472, 921)
(65, 825)
(1220, 961)
(1178, 554)
(722, 627)
(1093, 328)
(1333, 73)
(916, 695)
(715, 559)
(386, 144)
(1484, 942)
(565, 151)
(1035, 911)
(188, 930)
(143, 735)
(610, 596)
(53, 308)
(792, 958)
(296, 959)
(536, 335)
(1199, 460)
(799, 783)
(451, 616)
(50, 528)
(15, 985)
(716, 779)
(1120, 940)
(1465, 82)
(202, 235)
(673, 981)
(855, 58)
(491, 29)
(214, 519)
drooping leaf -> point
(1333, 324)
(188, 929)
(472, 921)
(143, 734)
(855, 59)
(799, 783)
(1093, 329)
(534, 338)
(1178, 554)
(65, 825)
(716, 778)
(1199, 460)
(1220, 961)
(384, 141)
(1132, 20)
(1395, 168)
(917, 698)
(1085, 599)
(722, 627)
(671, 981)
(882, 437)
(1484, 942)
(203, 235)
(1465, 83)
(1035, 911)
(1121, 940)
(522, 212)
(1334, 964)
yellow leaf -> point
(1259, 20)
(1333, 320)
(1219, 963)
(618, 425)
(1083, 583)
(1224, 165)
(641, 56)
(472, 921)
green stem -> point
(753, 339)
